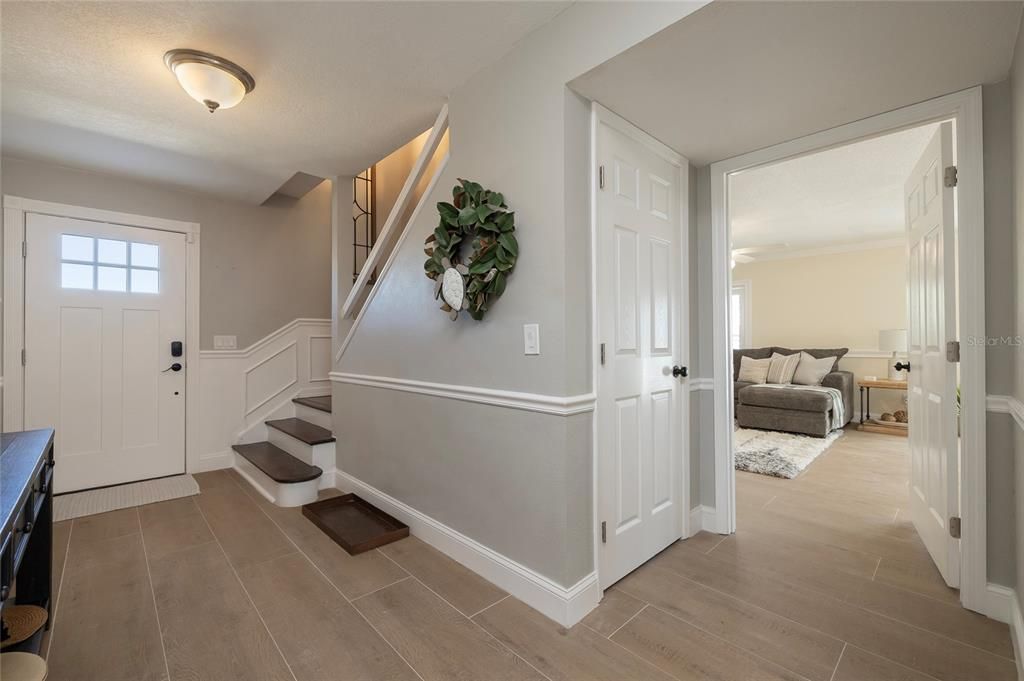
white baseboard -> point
(565, 605)
(1000, 602)
(702, 518)
(1016, 622)
(215, 462)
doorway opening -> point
(820, 444)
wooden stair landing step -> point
(307, 432)
(277, 464)
(321, 403)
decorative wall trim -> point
(313, 376)
(1006, 404)
(288, 380)
(544, 404)
(867, 354)
(825, 249)
(324, 324)
(702, 518)
(1016, 622)
(565, 605)
(1001, 602)
(701, 384)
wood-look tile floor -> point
(824, 581)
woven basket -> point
(22, 621)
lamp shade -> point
(892, 340)
(213, 81)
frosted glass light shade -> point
(214, 82)
(892, 340)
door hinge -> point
(23, 357)
(954, 527)
(602, 354)
(949, 176)
(24, 249)
(604, 532)
(600, 177)
(953, 351)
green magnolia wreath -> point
(479, 220)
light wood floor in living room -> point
(824, 581)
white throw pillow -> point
(782, 368)
(754, 370)
(811, 371)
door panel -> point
(640, 425)
(931, 389)
(102, 305)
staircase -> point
(288, 467)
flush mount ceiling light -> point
(213, 81)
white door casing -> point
(640, 423)
(932, 381)
(96, 358)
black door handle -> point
(174, 367)
(678, 371)
(901, 366)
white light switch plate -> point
(225, 342)
(531, 339)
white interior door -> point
(103, 304)
(640, 266)
(934, 474)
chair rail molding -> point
(544, 404)
(1006, 404)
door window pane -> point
(112, 252)
(75, 276)
(145, 281)
(76, 247)
(145, 255)
(112, 279)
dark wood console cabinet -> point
(26, 511)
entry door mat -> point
(354, 524)
(93, 501)
(781, 455)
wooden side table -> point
(869, 424)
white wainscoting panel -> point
(240, 389)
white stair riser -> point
(283, 494)
(321, 455)
(320, 418)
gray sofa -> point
(793, 411)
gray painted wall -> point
(261, 266)
(1017, 277)
(515, 128)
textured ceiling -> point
(338, 84)
(738, 76)
(843, 195)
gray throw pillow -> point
(811, 371)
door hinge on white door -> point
(604, 532)
(953, 351)
(602, 354)
(24, 249)
(954, 527)
(23, 357)
(949, 176)
(600, 177)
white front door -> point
(103, 303)
(641, 425)
(934, 450)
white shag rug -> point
(782, 455)
(93, 501)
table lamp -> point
(894, 341)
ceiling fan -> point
(745, 255)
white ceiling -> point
(738, 76)
(339, 85)
(843, 195)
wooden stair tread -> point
(279, 465)
(322, 403)
(307, 432)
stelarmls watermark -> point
(994, 341)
